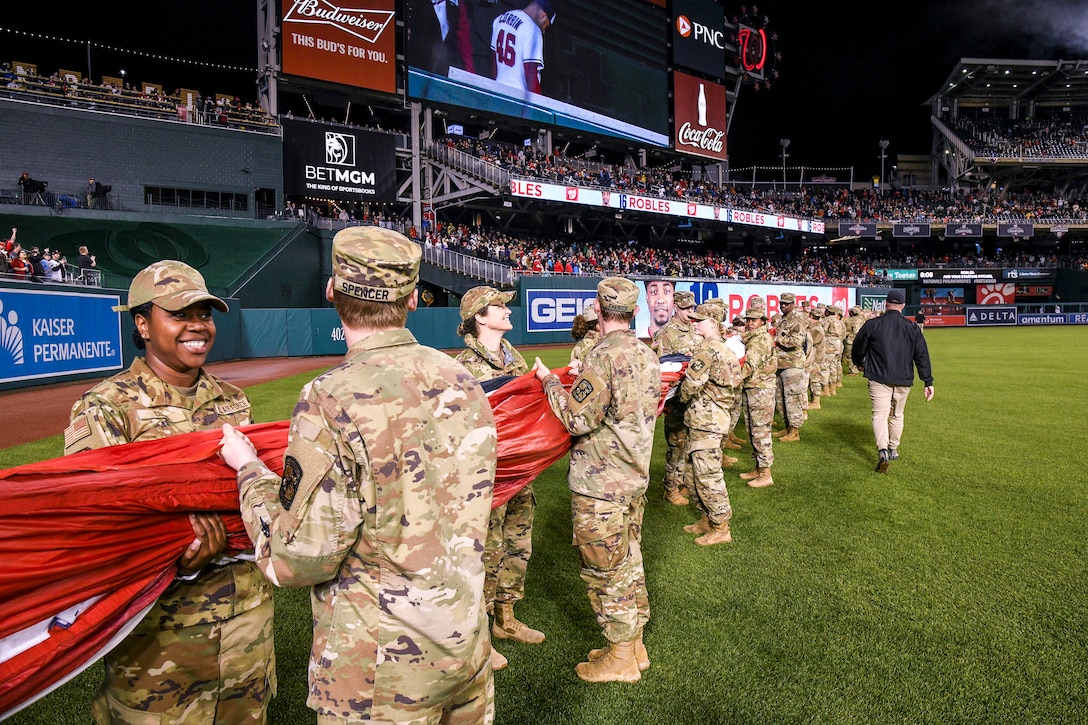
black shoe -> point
(893, 454)
(882, 462)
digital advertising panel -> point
(352, 43)
(45, 334)
(338, 162)
(700, 113)
(595, 67)
(698, 36)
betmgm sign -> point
(338, 162)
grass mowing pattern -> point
(950, 590)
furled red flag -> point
(89, 541)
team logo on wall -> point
(339, 149)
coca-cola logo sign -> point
(699, 117)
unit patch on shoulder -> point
(697, 364)
(582, 390)
(292, 472)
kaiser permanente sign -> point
(670, 207)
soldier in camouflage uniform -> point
(853, 323)
(611, 410)
(383, 506)
(731, 441)
(791, 397)
(485, 319)
(204, 653)
(833, 334)
(711, 381)
(677, 337)
(816, 368)
(584, 329)
(760, 373)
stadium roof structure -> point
(993, 89)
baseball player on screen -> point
(517, 44)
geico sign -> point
(703, 34)
(549, 309)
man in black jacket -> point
(888, 348)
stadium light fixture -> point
(785, 145)
(884, 143)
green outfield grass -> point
(951, 590)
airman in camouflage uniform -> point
(817, 383)
(586, 332)
(853, 323)
(759, 372)
(204, 653)
(383, 506)
(611, 410)
(485, 318)
(676, 337)
(711, 381)
(791, 397)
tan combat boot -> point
(814, 404)
(728, 461)
(676, 498)
(730, 445)
(699, 527)
(507, 626)
(750, 475)
(762, 478)
(734, 438)
(794, 434)
(498, 662)
(642, 657)
(616, 664)
(780, 433)
(718, 534)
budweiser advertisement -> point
(699, 110)
(353, 43)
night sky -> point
(848, 77)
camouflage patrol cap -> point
(170, 284)
(617, 294)
(684, 299)
(757, 303)
(589, 313)
(715, 301)
(755, 313)
(787, 298)
(374, 264)
(707, 311)
(855, 310)
(477, 299)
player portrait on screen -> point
(659, 303)
(517, 45)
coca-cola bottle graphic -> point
(702, 105)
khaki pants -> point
(888, 403)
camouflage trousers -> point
(816, 381)
(473, 704)
(790, 396)
(735, 413)
(705, 478)
(609, 540)
(676, 437)
(759, 414)
(508, 548)
(834, 363)
(848, 357)
(219, 672)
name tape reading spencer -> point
(362, 292)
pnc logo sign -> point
(683, 26)
(703, 34)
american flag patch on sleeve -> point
(77, 431)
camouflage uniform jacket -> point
(760, 360)
(852, 324)
(816, 332)
(136, 405)
(675, 337)
(711, 383)
(583, 346)
(790, 338)
(383, 509)
(834, 331)
(612, 411)
(483, 364)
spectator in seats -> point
(25, 185)
(5, 265)
(9, 243)
(50, 267)
(92, 192)
(85, 261)
(21, 266)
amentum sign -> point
(338, 162)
